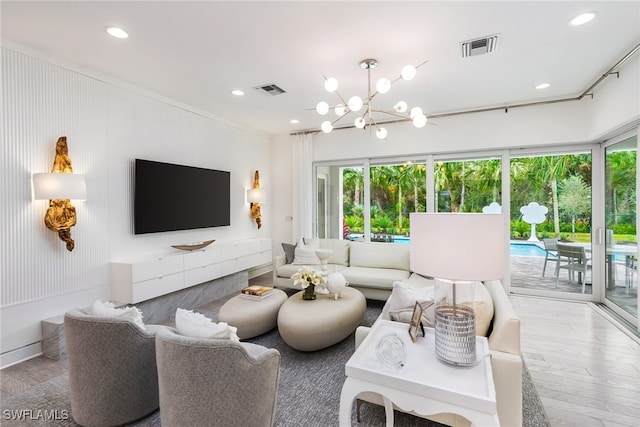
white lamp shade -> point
(457, 246)
(47, 186)
(256, 195)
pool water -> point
(526, 249)
(516, 249)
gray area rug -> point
(309, 392)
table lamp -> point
(457, 249)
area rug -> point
(308, 395)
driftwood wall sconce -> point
(255, 196)
(59, 187)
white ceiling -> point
(197, 52)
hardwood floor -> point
(586, 369)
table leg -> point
(388, 411)
(347, 396)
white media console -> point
(144, 278)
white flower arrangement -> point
(307, 276)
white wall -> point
(107, 126)
(615, 104)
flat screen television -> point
(170, 197)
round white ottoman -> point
(320, 323)
(252, 318)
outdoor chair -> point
(551, 249)
(572, 258)
(631, 270)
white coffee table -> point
(424, 384)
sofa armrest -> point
(505, 335)
(361, 334)
(278, 261)
(507, 378)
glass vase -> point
(309, 293)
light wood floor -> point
(586, 370)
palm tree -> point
(548, 169)
(353, 179)
(575, 198)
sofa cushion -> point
(305, 254)
(379, 255)
(289, 252)
(339, 249)
(380, 278)
(288, 270)
(400, 305)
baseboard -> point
(13, 357)
(260, 270)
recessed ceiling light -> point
(294, 121)
(543, 85)
(583, 18)
(117, 32)
(237, 92)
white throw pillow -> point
(305, 254)
(108, 309)
(197, 325)
(403, 299)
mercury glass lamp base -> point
(455, 334)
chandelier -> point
(364, 109)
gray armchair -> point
(216, 382)
(112, 369)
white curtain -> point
(302, 158)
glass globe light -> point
(420, 121)
(381, 133)
(401, 107)
(359, 123)
(322, 108)
(339, 110)
(383, 85)
(415, 111)
(330, 84)
(326, 126)
(408, 72)
(355, 103)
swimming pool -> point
(526, 249)
(515, 248)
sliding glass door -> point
(550, 206)
(621, 253)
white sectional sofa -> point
(373, 268)
(370, 267)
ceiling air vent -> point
(480, 46)
(270, 89)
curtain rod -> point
(506, 108)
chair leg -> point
(544, 267)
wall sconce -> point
(255, 196)
(59, 187)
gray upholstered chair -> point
(113, 378)
(216, 382)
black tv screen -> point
(169, 197)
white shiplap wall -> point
(107, 126)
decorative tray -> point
(194, 246)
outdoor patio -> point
(526, 272)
